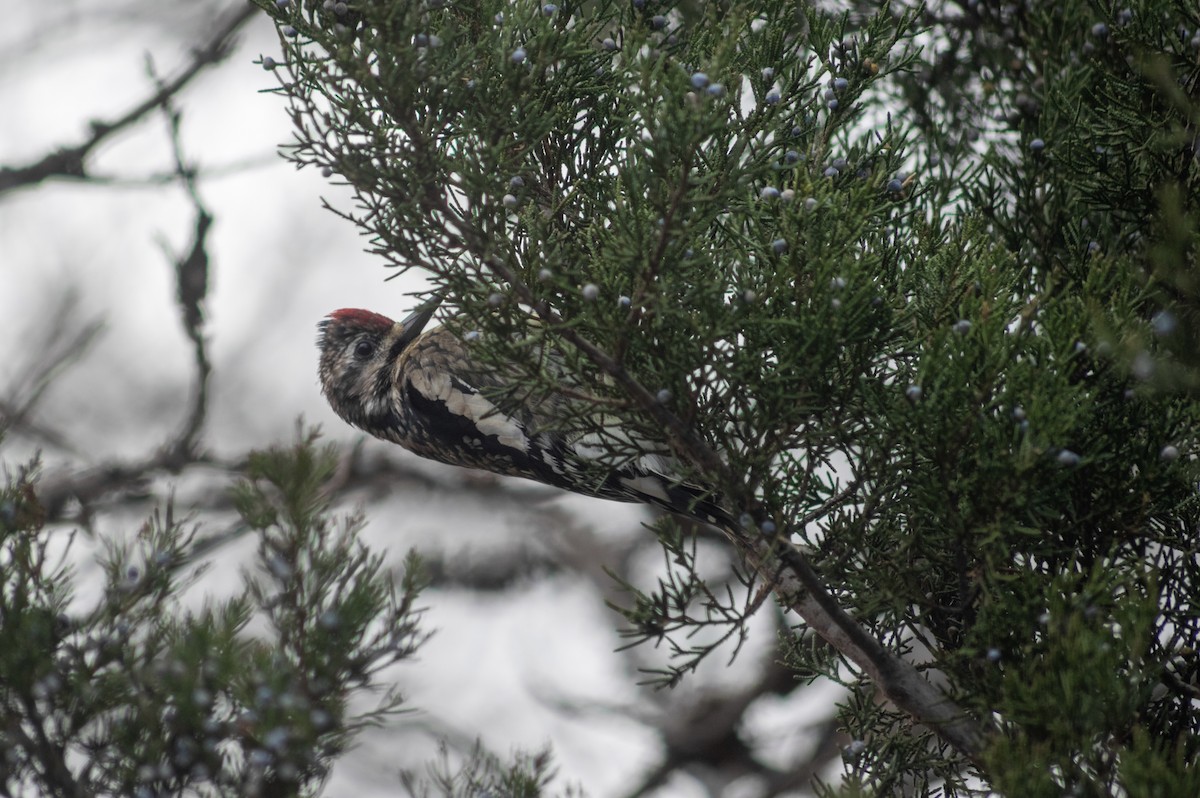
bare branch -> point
(191, 289)
(62, 346)
(71, 161)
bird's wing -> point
(451, 408)
(466, 428)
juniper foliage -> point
(924, 276)
(129, 693)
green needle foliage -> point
(915, 285)
(127, 693)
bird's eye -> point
(364, 349)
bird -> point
(422, 389)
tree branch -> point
(191, 290)
(70, 161)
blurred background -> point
(139, 183)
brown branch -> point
(71, 161)
(801, 590)
(191, 290)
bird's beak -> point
(413, 325)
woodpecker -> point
(423, 390)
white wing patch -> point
(647, 486)
(484, 415)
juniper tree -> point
(128, 693)
(913, 288)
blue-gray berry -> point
(914, 393)
(608, 44)
(779, 246)
(962, 326)
(1142, 366)
(1037, 145)
(663, 396)
(269, 63)
(772, 97)
(590, 292)
(1169, 454)
(1066, 457)
(769, 193)
(509, 201)
(840, 84)
(854, 751)
(1163, 322)
(699, 80)
(715, 89)
(518, 55)
(276, 739)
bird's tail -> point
(675, 496)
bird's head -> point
(359, 349)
